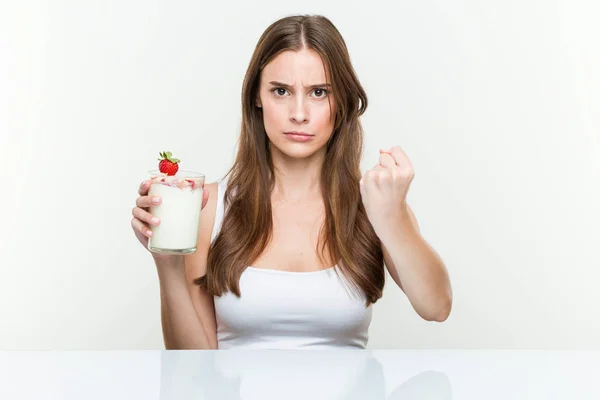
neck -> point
(297, 180)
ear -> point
(258, 102)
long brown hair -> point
(346, 234)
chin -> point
(297, 151)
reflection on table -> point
(301, 374)
(244, 375)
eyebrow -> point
(285, 85)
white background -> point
(496, 103)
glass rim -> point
(179, 174)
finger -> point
(205, 195)
(368, 177)
(147, 201)
(383, 178)
(145, 216)
(141, 227)
(143, 189)
(371, 176)
(400, 157)
(386, 160)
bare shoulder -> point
(196, 263)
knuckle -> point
(405, 173)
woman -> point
(293, 241)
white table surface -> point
(301, 374)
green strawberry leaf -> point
(175, 160)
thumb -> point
(386, 160)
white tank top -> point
(289, 310)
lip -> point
(298, 133)
(298, 136)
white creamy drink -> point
(179, 211)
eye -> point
(320, 92)
(279, 92)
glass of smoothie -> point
(179, 211)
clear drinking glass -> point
(179, 211)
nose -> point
(299, 112)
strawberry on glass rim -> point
(169, 174)
(168, 165)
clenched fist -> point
(383, 189)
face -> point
(295, 96)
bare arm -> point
(418, 270)
(411, 261)
(187, 312)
